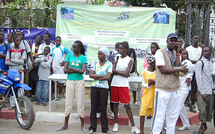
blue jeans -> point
(42, 91)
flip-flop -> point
(62, 128)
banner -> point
(31, 33)
(98, 26)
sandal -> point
(62, 128)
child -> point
(43, 73)
(101, 73)
(120, 85)
(148, 83)
(184, 89)
(154, 47)
(58, 56)
(75, 65)
(15, 58)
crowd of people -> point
(172, 77)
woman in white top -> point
(120, 85)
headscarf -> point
(105, 51)
(150, 59)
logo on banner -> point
(124, 15)
(67, 13)
(161, 17)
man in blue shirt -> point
(3, 50)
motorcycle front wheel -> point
(26, 116)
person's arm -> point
(8, 60)
(144, 83)
(66, 70)
(80, 71)
(93, 73)
(109, 72)
(166, 70)
(124, 73)
(177, 61)
(191, 71)
(3, 56)
(47, 64)
(199, 77)
(38, 60)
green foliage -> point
(29, 13)
(98, 2)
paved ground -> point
(12, 127)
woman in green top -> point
(75, 65)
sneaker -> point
(136, 104)
(44, 104)
(58, 97)
(83, 128)
(112, 115)
(192, 109)
(164, 128)
(183, 128)
(135, 130)
(116, 127)
(37, 103)
(97, 115)
(90, 131)
(53, 97)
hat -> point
(150, 58)
(172, 35)
(104, 50)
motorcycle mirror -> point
(5, 73)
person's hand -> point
(136, 72)
(151, 82)
(62, 63)
(45, 60)
(184, 69)
(204, 97)
(188, 82)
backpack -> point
(111, 56)
(10, 50)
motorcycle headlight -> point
(17, 78)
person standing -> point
(205, 97)
(15, 58)
(3, 50)
(133, 73)
(47, 42)
(33, 74)
(154, 47)
(166, 86)
(43, 73)
(184, 89)
(194, 55)
(58, 57)
(148, 86)
(120, 85)
(75, 66)
(101, 73)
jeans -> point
(42, 91)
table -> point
(55, 77)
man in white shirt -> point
(194, 55)
(167, 101)
(47, 42)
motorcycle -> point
(9, 85)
